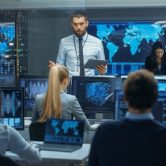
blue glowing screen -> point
(32, 86)
(7, 54)
(12, 107)
(127, 43)
(7, 37)
(95, 94)
(64, 131)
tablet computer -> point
(93, 63)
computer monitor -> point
(7, 54)
(12, 107)
(161, 85)
(33, 85)
(96, 94)
(121, 107)
(8, 71)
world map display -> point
(67, 126)
(64, 131)
(127, 43)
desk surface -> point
(76, 156)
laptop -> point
(63, 135)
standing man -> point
(138, 139)
(69, 52)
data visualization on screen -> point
(96, 94)
(33, 85)
(12, 107)
(7, 54)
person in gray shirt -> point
(10, 139)
(56, 103)
(68, 53)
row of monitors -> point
(98, 95)
(97, 92)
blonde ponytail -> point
(52, 103)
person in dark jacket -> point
(138, 139)
(156, 61)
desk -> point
(50, 158)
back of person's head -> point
(78, 14)
(52, 104)
(140, 90)
(157, 45)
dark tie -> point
(82, 73)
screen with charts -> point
(96, 94)
(7, 54)
(121, 107)
(33, 85)
(12, 107)
(127, 43)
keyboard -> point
(58, 147)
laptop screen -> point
(64, 131)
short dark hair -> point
(140, 90)
(78, 14)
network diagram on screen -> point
(127, 43)
(97, 93)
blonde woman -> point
(56, 103)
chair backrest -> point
(6, 161)
(37, 131)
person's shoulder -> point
(67, 38)
(93, 37)
(111, 124)
(150, 58)
(40, 96)
(161, 129)
(6, 129)
(69, 96)
(3, 128)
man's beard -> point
(79, 34)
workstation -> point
(32, 33)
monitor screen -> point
(127, 43)
(33, 85)
(12, 107)
(7, 54)
(96, 94)
(161, 85)
(121, 107)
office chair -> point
(37, 131)
(6, 161)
